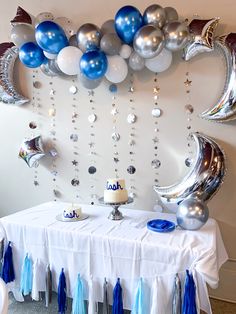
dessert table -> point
(98, 247)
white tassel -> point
(92, 305)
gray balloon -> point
(89, 84)
(50, 68)
(136, 62)
(192, 214)
(176, 35)
(22, 33)
(88, 37)
(73, 41)
(110, 44)
(108, 27)
(171, 14)
(155, 15)
(148, 41)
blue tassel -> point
(117, 307)
(61, 297)
(26, 276)
(139, 306)
(189, 302)
(78, 305)
(8, 273)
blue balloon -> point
(51, 37)
(93, 64)
(31, 55)
(128, 21)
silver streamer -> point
(177, 299)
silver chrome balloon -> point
(148, 41)
(192, 213)
(205, 177)
(225, 109)
(155, 15)
(88, 37)
(8, 92)
(177, 296)
(202, 37)
(176, 35)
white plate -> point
(83, 216)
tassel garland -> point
(26, 276)
(48, 293)
(61, 297)
(8, 273)
(189, 302)
(78, 305)
(105, 308)
(117, 307)
(177, 299)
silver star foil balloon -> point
(202, 37)
(8, 92)
(31, 151)
(225, 109)
(192, 213)
(204, 178)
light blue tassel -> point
(139, 306)
(26, 276)
(78, 305)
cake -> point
(72, 213)
(115, 191)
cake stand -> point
(115, 214)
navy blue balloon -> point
(128, 21)
(51, 37)
(31, 55)
(93, 64)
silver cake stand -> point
(115, 214)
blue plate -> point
(161, 225)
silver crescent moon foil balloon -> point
(202, 37)
(8, 92)
(205, 177)
(31, 151)
(225, 109)
(148, 41)
(192, 213)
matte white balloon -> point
(161, 62)
(22, 33)
(68, 60)
(136, 62)
(50, 56)
(125, 51)
(117, 69)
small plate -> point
(160, 225)
(83, 216)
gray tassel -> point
(48, 293)
(177, 299)
(1, 254)
(105, 309)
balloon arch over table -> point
(130, 40)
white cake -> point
(72, 213)
(115, 191)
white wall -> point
(207, 73)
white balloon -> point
(50, 55)
(125, 51)
(117, 69)
(68, 60)
(161, 62)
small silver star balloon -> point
(73, 89)
(131, 118)
(155, 163)
(74, 137)
(31, 151)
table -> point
(98, 247)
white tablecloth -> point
(98, 247)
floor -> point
(30, 307)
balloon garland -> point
(130, 40)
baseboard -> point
(227, 284)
